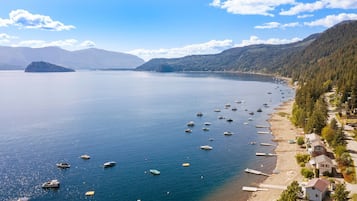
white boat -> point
(266, 144)
(85, 157)
(185, 164)
(154, 172)
(205, 129)
(217, 110)
(211, 139)
(89, 193)
(227, 133)
(191, 123)
(207, 123)
(188, 130)
(109, 164)
(63, 165)
(227, 105)
(51, 184)
(251, 171)
(206, 147)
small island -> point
(44, 67)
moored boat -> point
(207, 123)
(89, 193)
(199, 114)
(191, 123)
(51, 184)
(185, 164)
(154, 172)
(109, 164)
(85, 157)
(205, 129)
(227, 133)
(188, 130)
(206, 147)
(63, 165)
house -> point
(322, 163)
(316, 189)
(317, 149)
(312, 137)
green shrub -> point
(307, 173)
(302, 158)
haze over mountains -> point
(17, 58)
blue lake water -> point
(137, 119)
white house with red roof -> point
(316, 189)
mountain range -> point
(283, 59)
(17, 58)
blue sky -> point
(166, 28)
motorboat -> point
(221, 117)
(89, 193)
(63, 165)
(51, 184)
(109, 164)
(154, 172)
(205, 129)
(191, 123)
(185, 164)
(199, 114)
(229, 120)
(206, 147)
(227, 133)
(207, 123)
(85, 157)
(188, 130)
(217, 110)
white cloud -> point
(66, 44)
(250, 7)
(342, 4)
(87, 43)
(331, 20)
(210, 47)
(25, 19)
(305, 16)
(5, 38)
(318, 5)
(276, 25)
(304, 7)
(4, 22)
(253, 40)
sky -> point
(166, 28)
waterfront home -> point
(317, 148)
(323, 163)
(316, 189)
(310, 138)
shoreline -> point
(283, 130)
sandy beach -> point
(286, 165)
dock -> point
(266, 144)
(257, 172)
(264, 132)
(253, 189)
(261, 126)
(265, 154)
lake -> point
(137, 119)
